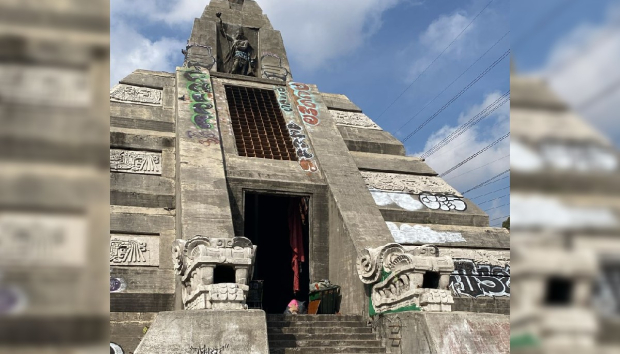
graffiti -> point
(209, 55)
(208, 350)
(353, 119)
(404, 201)
(305, 103)
(475, 280)
(117, 285)
(204, 137)
(141, 162)
(116, 349)
(302, 148)
(408, 234)
(272, 67)
(12, 300)
(283, 101)
(446, 202)
(135, 94)
(202, 106)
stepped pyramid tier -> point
(231, 148)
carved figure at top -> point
(240, 59)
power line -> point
(447, 87)
(487, 111)
(490, 200)
(475, 155)
(487, 181)
(472, 83)
(477, 168)
(497, 207)
(502, 217)
(484, 195)
(434, 60)
(599, 95)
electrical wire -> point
(453, 99)
(450, 85)
(484, 195)
(477, 168)
(488, 181)
(487, 111)
(434, 60)
(474, 155)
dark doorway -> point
(267, 226)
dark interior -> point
(430, 280)
(223, 274)
(267, 226)
(559, 292)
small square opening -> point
(224, 274)
(559, 292)
(430, 280)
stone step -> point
(329, 335)
(318, 330)
(323, 350)
(374, 343)
(315, 324)
(337, 318)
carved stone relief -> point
(33, 239)
(412, 184)
(403, 285)
(136, 94)
(141, 162)
(354, 119)
(134, 250)
(196, 261)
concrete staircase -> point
(316, 334)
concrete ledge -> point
(339, 102)
(476, 237)
(145, 302)
(498, 305)
(143, 140)
(473, 216)
(392, 163)
(180, 332)
(147, 78)
(132, 123)
(371, 140)
(446, 332)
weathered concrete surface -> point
(355, 222)
(392, 163)
(442, 333)
(177, 332)
(371, 140)
(474, 237)
(203, 196)
(473, 216)
(127, 329)
(339, 102)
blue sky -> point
(371, 51)
(577, 51)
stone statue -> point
(240, 59)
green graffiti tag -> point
(200, 93)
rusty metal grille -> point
(258, 124)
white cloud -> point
(314, 32)
(469, 143)
(130, 50)
(582, 64)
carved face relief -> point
(402, 276)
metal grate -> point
(258, 124)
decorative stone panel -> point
(411, 184)
(136, 94)
(354, 119)
(141, 162)
(397, 277)
(134, 250)
(196, 260)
